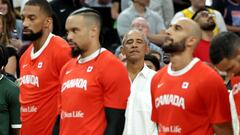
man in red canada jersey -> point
(188, 96)
(40, 68)
(95, 84)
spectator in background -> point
(9, 100)
(180, 5)
(138, 112)
(115, 9)
(152, 62)
(125, 4)
(142, 25)
(196, 5)
(207, 24)
(62, 8)
(232, 15)
(11, 36)
(139, 8)
(188, 91)
(164, 8)
(219, 5)
(40, 67)
(11, 67)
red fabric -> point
(190, 103)
(89, 87)
(202, 51)
(39, 87)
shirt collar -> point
(144, 71)
(36, 54)
(90, 57)
(191, 9)
(184, 70)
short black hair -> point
(89, 12)
(198, 11)
(43, 4)
(3, 57)
(153, 59)
(224, 45)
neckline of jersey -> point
(36, 54)
(90, 57)
(184, 70)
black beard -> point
(174, 47)
(76, 51)
(208, 27)
(32, 36)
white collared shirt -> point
(139, 106)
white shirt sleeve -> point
(220, 21)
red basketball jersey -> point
(189, 101)
(99, 81)
(40, 86)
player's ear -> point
(48, 22)
(147, 49)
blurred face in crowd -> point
(78, 34)
(150, 65)
(197, 4)
(3, 7)
(34, 22)
(231, 66)
(134, 45)
(141, 25)
(205, 20)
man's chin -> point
(237, 74)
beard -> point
(208, 26)
(76, 51)
(170, 47)
(32, 36)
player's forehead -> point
(74, 21)
(31, 10)
(185, 24)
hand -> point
(16, 43)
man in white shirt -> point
(138, 112)
(196, 5)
